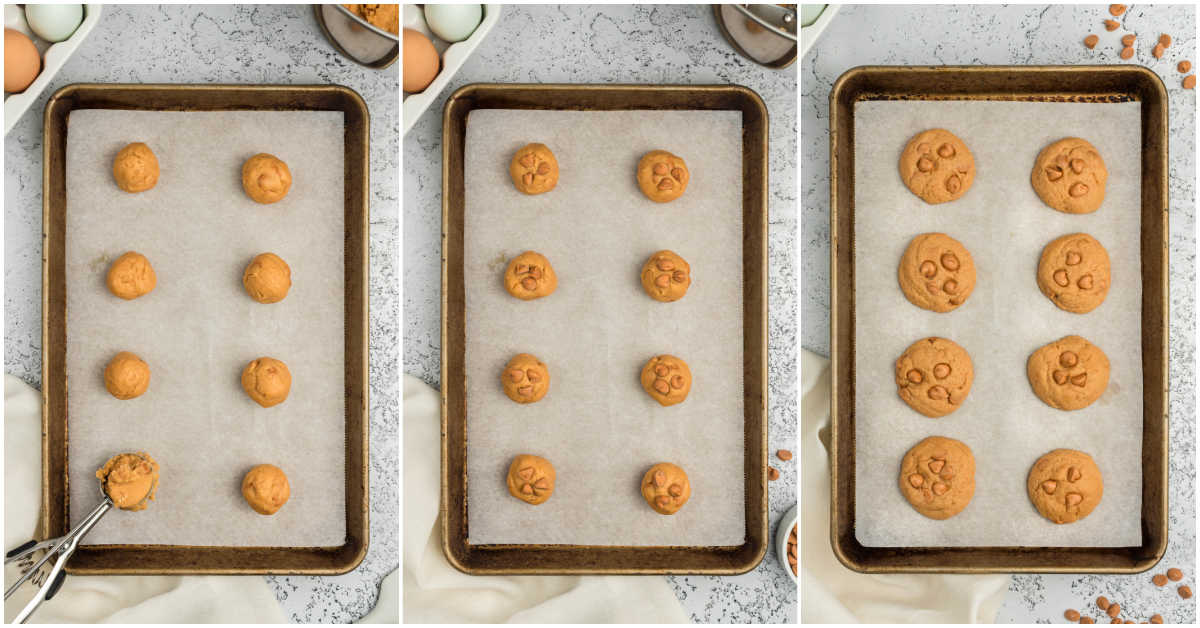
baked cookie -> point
(530, 276)
(129, 480)
(533, 169)
(267, 278)
(126, 376)
(666, 276)
(265, 178)
(937, 476)
(135, 168)
(525, 379)
(267, 380)
(1074, 273)
(936, 272)
(131, 276)
(530, 479)
(667, 379)
(1065, 485)
(662, 176)
(266, 489)
(937, 166)
(1069, 373)
(666, 488)
(1069, 175)
(934, 375)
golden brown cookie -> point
(265, 178)
(667, 379)
(934, 375)
(267, 278)
(267, 380)
(530, 276)
(666, 488)
(936, 272)
(533, 169)
(131, 276)
(1069, 373)
(666, 276)
(1069, 175)
(1074, 273)
(937, 476)
(266, 489)
(126, 376)
(129, 480)
(530, 479)
(1065, 485)
(135, 168)
(662, 176)
(526, 379)
(937, 166)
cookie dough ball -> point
(530, 276)
(525, 379)
(666, 276)
(1069, 373)
(126, 376)
(135, 169)
(130, 480)
(936, 272)
(662, 176)
(1074, 273)
(533, 169)
(667, 379)
(266, 489)
(666, 488)
(267, 380)
(131, 276)
(937, 166)
(531, 479)
(933, 376)
(1065, 485)
(267, 278)
(1069, 175)
(266, 178)
(937, 476)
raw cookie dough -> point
(267, 278)
(130, 480)
(1069, 175)
(933, 376)
(135, 168)
(662, 176)
(936, 272)
(666, 488)
(384, 16)
(937, 166)
(667, 379)
(1069, 373)
(131, 276)
(126, 376)
(266, 178)
(530, 276)
(1065, 485)
(267, 380)
(1074, 273)
(531, 479)
(525, 379)
(937, 476)
(666, 276)
(534, 169)
(266, 489)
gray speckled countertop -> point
(628, 44)
(233, 44)
(1034, 35)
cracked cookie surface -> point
(526, 379)
(936, 272)
(530, 276)
(1065, 485)
(937, 166)
(934, 376)
(666, 276)
(534, 169)
(1069, 176)
(530, 479)
(1069, 373)
(662, 176)
(667, 379)
(666, 488)
(1074, 273)
(937, 476)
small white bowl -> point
(781, 538)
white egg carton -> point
(453, 56)
(53, 58)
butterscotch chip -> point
(661, 176)
(666, 488)
(1184, 66)
(1185, 592)
(1086, 620)
(1175, 574)
(1164, 40)
(1102, 602)
(1069, 175)
(1158, 51)
(772, 473)
(1189, 81)
(1116, 9)
(1071, 614)
(530, 479)
(1159, 579)
(1156, 619)
(937, 476)
(530, 276)
(937, 166)
(1111, 25)
(666, 276)
(784, 454)
(933, 376)
(1116, 620)
(525, 378)
(1128, 39)
(1113, 609)
(936, 272)
(1091, 40)
(1065, 486)
(534, 169)
(1074, 272)
(1127, 52)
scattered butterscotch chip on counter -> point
(1111, 25)
(1113, 609)
(1184, 66)
(1165, 40)
(1158, 51)
(1127, 52)
(1091, 40)
(1071, 614)
(1185, 592)
(1086, 620)
(1116, 620)
(1174, 574)
(1129, 39)
(1189, 81)
(784, 454)
(1156, 619)
(1102, 602)
(1159, 579)
(772, 473)
(1116, 9)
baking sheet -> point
(596, 425)
(1004, 225)
(198, 328)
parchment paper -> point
(1004, 225)
(596, 425)
(199, 328)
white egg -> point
(54, 22)
(453, 22)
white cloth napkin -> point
(831, 593)
(436, 592)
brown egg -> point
(420, 61)
(21, 61)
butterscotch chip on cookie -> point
(934, 375)
(530, 276)
(936, 272)
(1074, 272)
(667, 379)
(530, 479)
(1065, 485)
(937, 166)
(267, 278)
(266, 489)
(662, 176)
(135, 168)
(937, 476)
(666, 276)
(1069, 373)
(131, 276)
(265, 178)
(666, 488)
(533, 169)
(1069, 175)
(267, 381)
(525, 379)
(126, 376)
